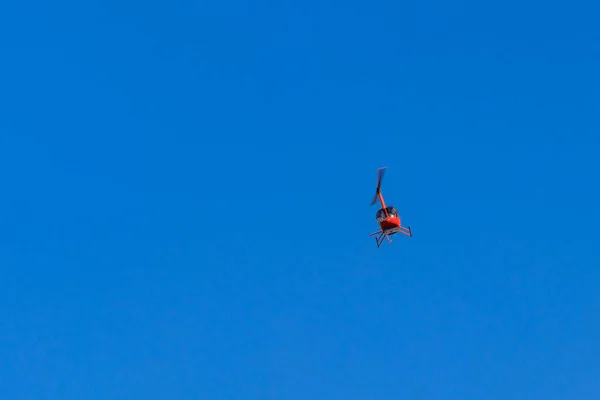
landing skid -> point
(389, 232)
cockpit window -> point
(392, 211)
(381, 215)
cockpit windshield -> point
(381, 215)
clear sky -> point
(186, 187)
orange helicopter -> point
(387, 216)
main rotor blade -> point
(374, 198)
(380, 173)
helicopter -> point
(387, 216)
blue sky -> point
(186, 187)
